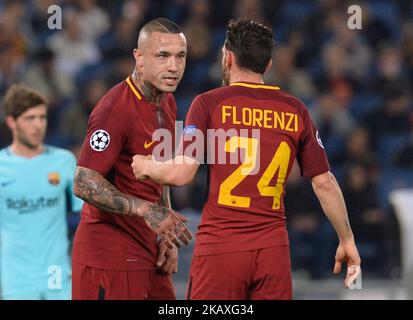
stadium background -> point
(357, 85)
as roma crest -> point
(54, 178)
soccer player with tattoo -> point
(116, 250)
(242, 247)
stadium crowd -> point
(357, 85)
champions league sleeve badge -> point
(190, 130)
(99, 140)
(317, 135)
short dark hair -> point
(162, 25)
(251, 42)
(19, 98)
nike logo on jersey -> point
(148, 144)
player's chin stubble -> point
(30, 145)
(26, 142)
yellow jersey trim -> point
(254, 86)
(133, 88)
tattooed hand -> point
(93, 188)
(169, 225)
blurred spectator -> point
(333, 121)
(177, 10)
(374, 30)
(77, 115)
(312, 238)
(135, 10)
(122, 38)
(288, 77)
(336, 74)
(13, 44)
(199, 12)
(197, 32)
(95, 21)
(404, 156)
(357, 53)
(73, 50)
(199, 40)
(367, 219)
(391, 72)
(251, 9)
(120, 68)
(407, 47)
(43, 76)
(393, 118)
(358, 151)
(38, 20)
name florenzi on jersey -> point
(262, 118)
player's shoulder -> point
(212, 97)
(113, 98)
(60, 153)
(216, 93)
(291, 100)
(4, 153)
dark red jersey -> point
(267, 129)
(120, 126)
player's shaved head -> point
(162, 25)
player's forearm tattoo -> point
(93, 188)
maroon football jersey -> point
(267, 129)
(120, 126)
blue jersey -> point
(34, 198)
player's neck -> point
(151, 94)
(245, 76)
(22, 150)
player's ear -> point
(11, 122)
(268, 66)
(138, 57)
(230, 59)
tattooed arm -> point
(93, 188)
(332, 201)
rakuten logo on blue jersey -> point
(25, 205)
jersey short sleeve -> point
(106, 136)
(195, 130)
(311, 155)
